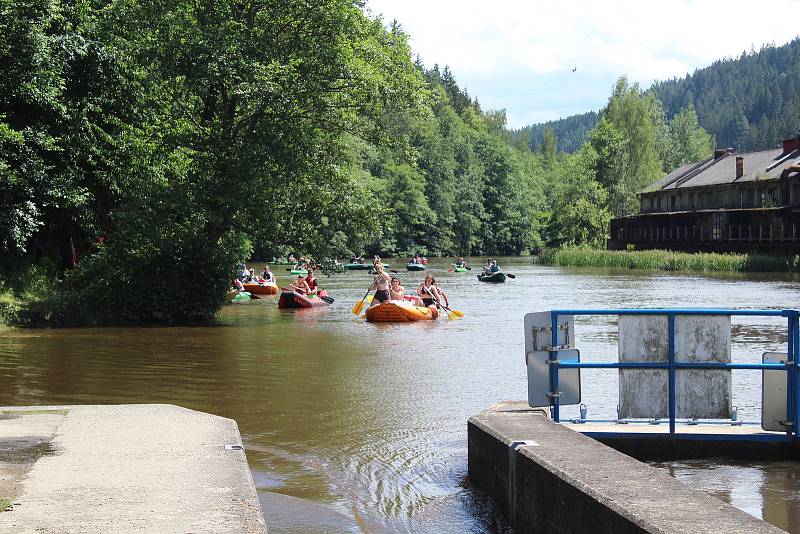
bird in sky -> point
(574, 68)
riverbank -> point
(667, 260)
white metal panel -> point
(537, 345)
(773, 393)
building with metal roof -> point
(747, 202)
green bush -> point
(137, 280)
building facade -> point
(729, 202)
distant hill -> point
(748, 103)
(570, 131)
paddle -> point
(360, 304)
(510, 276)
(329, 300)
(451, 314)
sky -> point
(520, 55)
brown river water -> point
(358, 427)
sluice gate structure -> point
(675, 401)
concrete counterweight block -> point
(699, 393)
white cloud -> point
(523, 41)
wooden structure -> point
(726, 203)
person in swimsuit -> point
(300, 285)
(380, 285)
(430, 293)
(398, 292)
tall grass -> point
(667, 260)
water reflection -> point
(356, 427)
(765, 490)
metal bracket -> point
(553, 362)
(786, 423)
(554, 394)
(513, 449)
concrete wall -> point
(698, 393)
(567, 482)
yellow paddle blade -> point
(358, 307)
(369, 298)
(457, 313)
(451, 315)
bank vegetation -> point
(667, 260)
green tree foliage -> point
(634, 115)
(580, 215)
(549, 147)
(571, 131)
(687, 141)
(184, 130)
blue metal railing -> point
(791, 366)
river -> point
(358, 427)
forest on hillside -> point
(169, 141)
(570, 132)
(748, 103)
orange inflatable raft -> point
(395, 311)
(262, 289)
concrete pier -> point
(548, 478)
(127, 468)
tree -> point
(631, 113)
(580, 216)
(549, 147)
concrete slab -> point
(25, 437)
(133, 468)
(557, 480)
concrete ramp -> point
(127, 468)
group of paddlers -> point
(389, 288)
(491, 267)
(249, 276)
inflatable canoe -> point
(395, 311)
(460, 269)
(415, 267)
(299, 271)
(293, 299)
(238, 296)
(262, 289)
(496, 278)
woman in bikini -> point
(431, 294)
(380, 285)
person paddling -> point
(312, 282)
(431, 294)
(461, 264)
(300, 285)
(381, 286)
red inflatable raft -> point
(293, 299)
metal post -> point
(671, 328)
(795, 371)
(553, 367)
(790, 381)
